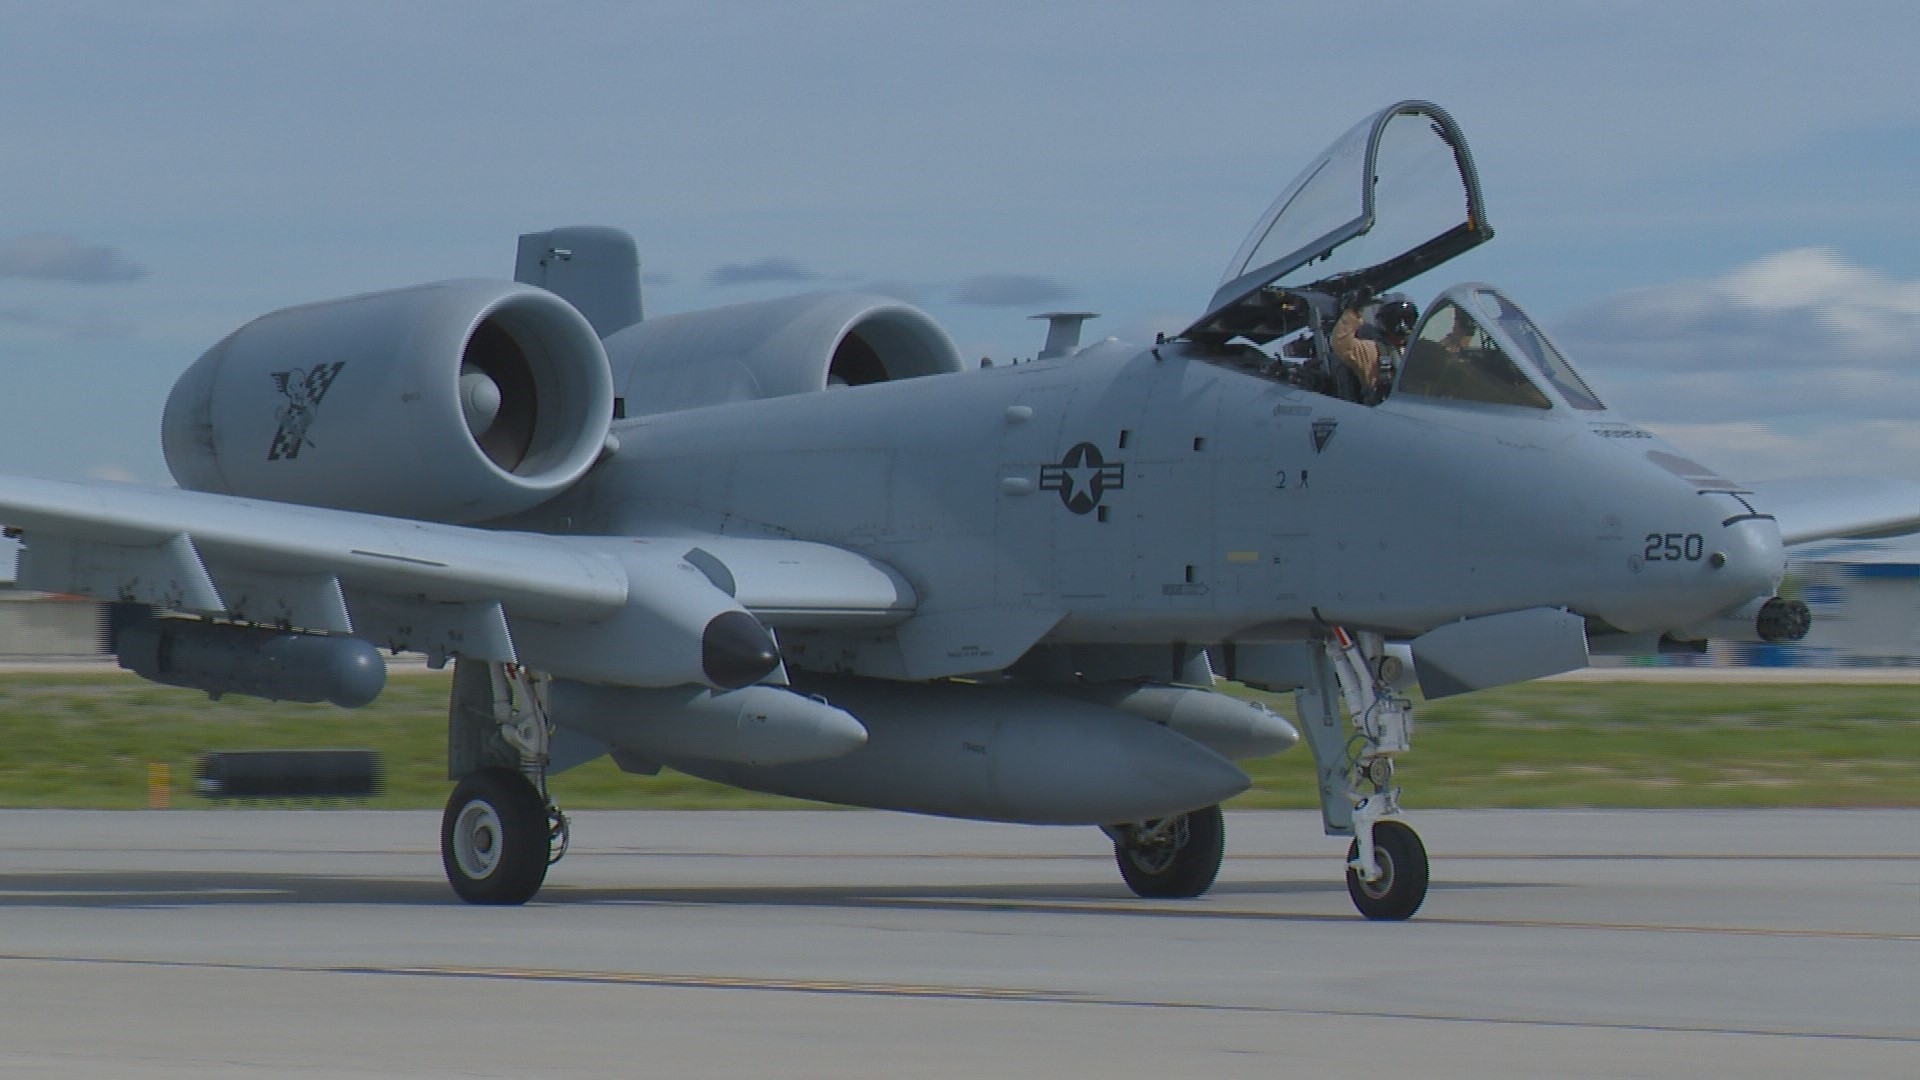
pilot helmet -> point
(1396, 315)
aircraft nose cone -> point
(736, 651)
(1749, 558)
(1716, 556)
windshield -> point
(1547, 360)
(1455, 359)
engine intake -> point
(458, 401)
(772, 348)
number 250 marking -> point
(1673, 547)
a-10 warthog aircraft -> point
(799, 547)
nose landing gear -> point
(1396, 891)
(1387, 868)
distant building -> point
(1865, 599)
(38, 626)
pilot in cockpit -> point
(1373, 356)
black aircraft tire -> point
(1182, 870)
(494, 839)
(1403, 858)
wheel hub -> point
(1153, 847)
(476, 840)
(1381, 886)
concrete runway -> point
(1554, 943)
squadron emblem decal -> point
(304, 390)
(1083, 478)
(1323, 428)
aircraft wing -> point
(1828, 509)
(427, 587)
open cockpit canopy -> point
(1392, 198)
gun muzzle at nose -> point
(1782, 620)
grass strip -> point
(85, 740)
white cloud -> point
(904, 291)
(1747, 451)
(774, 268)
(24, 318)
(1009, 290)
(1801, 363)
(1805, 306)
(18, 323)
(61, 258)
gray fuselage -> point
(1129, 495)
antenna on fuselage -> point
(1063, 332)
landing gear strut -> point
(1170, 858)
(1386, 864)
(501, 829)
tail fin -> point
(593, 267)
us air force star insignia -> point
(1323, 432)
(1083, 478)
(304, 390)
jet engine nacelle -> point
(458, 401)
(772, 348)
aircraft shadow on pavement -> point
(178, 889)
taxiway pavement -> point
(847, 944)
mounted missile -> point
(755, 725)
(994, 752)
(223, 658)
(1236, 730)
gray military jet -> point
(799, 547)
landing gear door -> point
(1392, 198)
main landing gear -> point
(1386, 863)
(494, 839)
(501, 830)
(1171, 858)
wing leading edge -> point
(425, 587)
(1830, 509)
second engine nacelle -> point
(771, 348)
(458, 401)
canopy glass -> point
(1393, 197)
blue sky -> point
(1712, 206)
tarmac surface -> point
(849, 944)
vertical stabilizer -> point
(592, 267)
